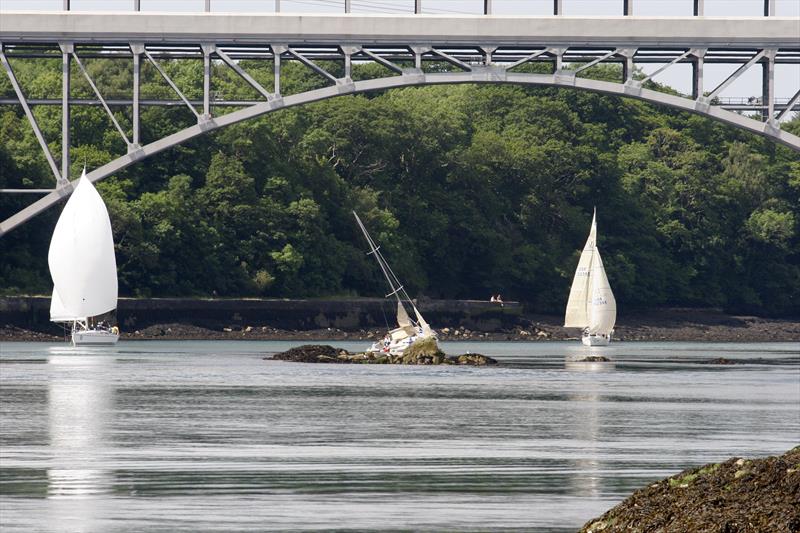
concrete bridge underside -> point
(477, 49)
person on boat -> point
(493, 299)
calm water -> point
(207, 436)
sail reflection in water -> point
(77, 406)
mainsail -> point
(81, 258)
(577, 315)
(591, 303)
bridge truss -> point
(414, 51)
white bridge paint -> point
(484, 75)
(428, 30)
(764, 32)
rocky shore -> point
(420, 353)
(737, 496)
(691, 325)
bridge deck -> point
(776, 32)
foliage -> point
(470, 190)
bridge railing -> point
(467, 7)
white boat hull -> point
(596, 340)
(395, 348)
(94, 337)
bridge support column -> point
(768, 87)
(627, 7)
(697, 73)
(207, 50)
(137, 5)
(699, 8)
(347, 7)
(277, 50)
(417, 7)
(487, 7)
(136, 49)
(66, 5)
(769, 8)
(66, 50)
(558, 7)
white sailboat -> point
(591, 305)
(83, 267)
(408, 330)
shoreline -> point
(670, 325)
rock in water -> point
(475, 359)
(314, 353)
(739, 495)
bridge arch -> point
(480, 50)
(488, 75)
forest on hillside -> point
(470, 190)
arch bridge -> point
(475, 49)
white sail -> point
(602, 305)
(426, 328)
(81, 258)
(402, 316)
(57, 311)
(577, 315)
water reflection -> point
(588, 359)
(78, 405)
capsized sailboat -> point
(591, 305)
(408, 330)
(83, 267)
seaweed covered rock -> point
(314, 353)
(422, 352)
(474, 359)
(737, 496)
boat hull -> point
(596, 340)
(396, 348)
(94, 337)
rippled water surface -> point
(207, 436)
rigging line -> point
(378, 255)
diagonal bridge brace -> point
(241, 72)
(128, 142)
(38, 132)
(172, 84)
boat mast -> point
(394, 283)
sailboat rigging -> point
(591, 305)
(408, 330)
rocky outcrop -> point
(420, 353)
(737, 496)
(313, 353)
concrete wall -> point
(34, 313)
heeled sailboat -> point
(408, 330)
(591, 305)
(84, 268)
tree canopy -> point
(469, 189)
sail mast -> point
(375, 250)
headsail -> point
(81, 257)
(602, 305)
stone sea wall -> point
(33, 312)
